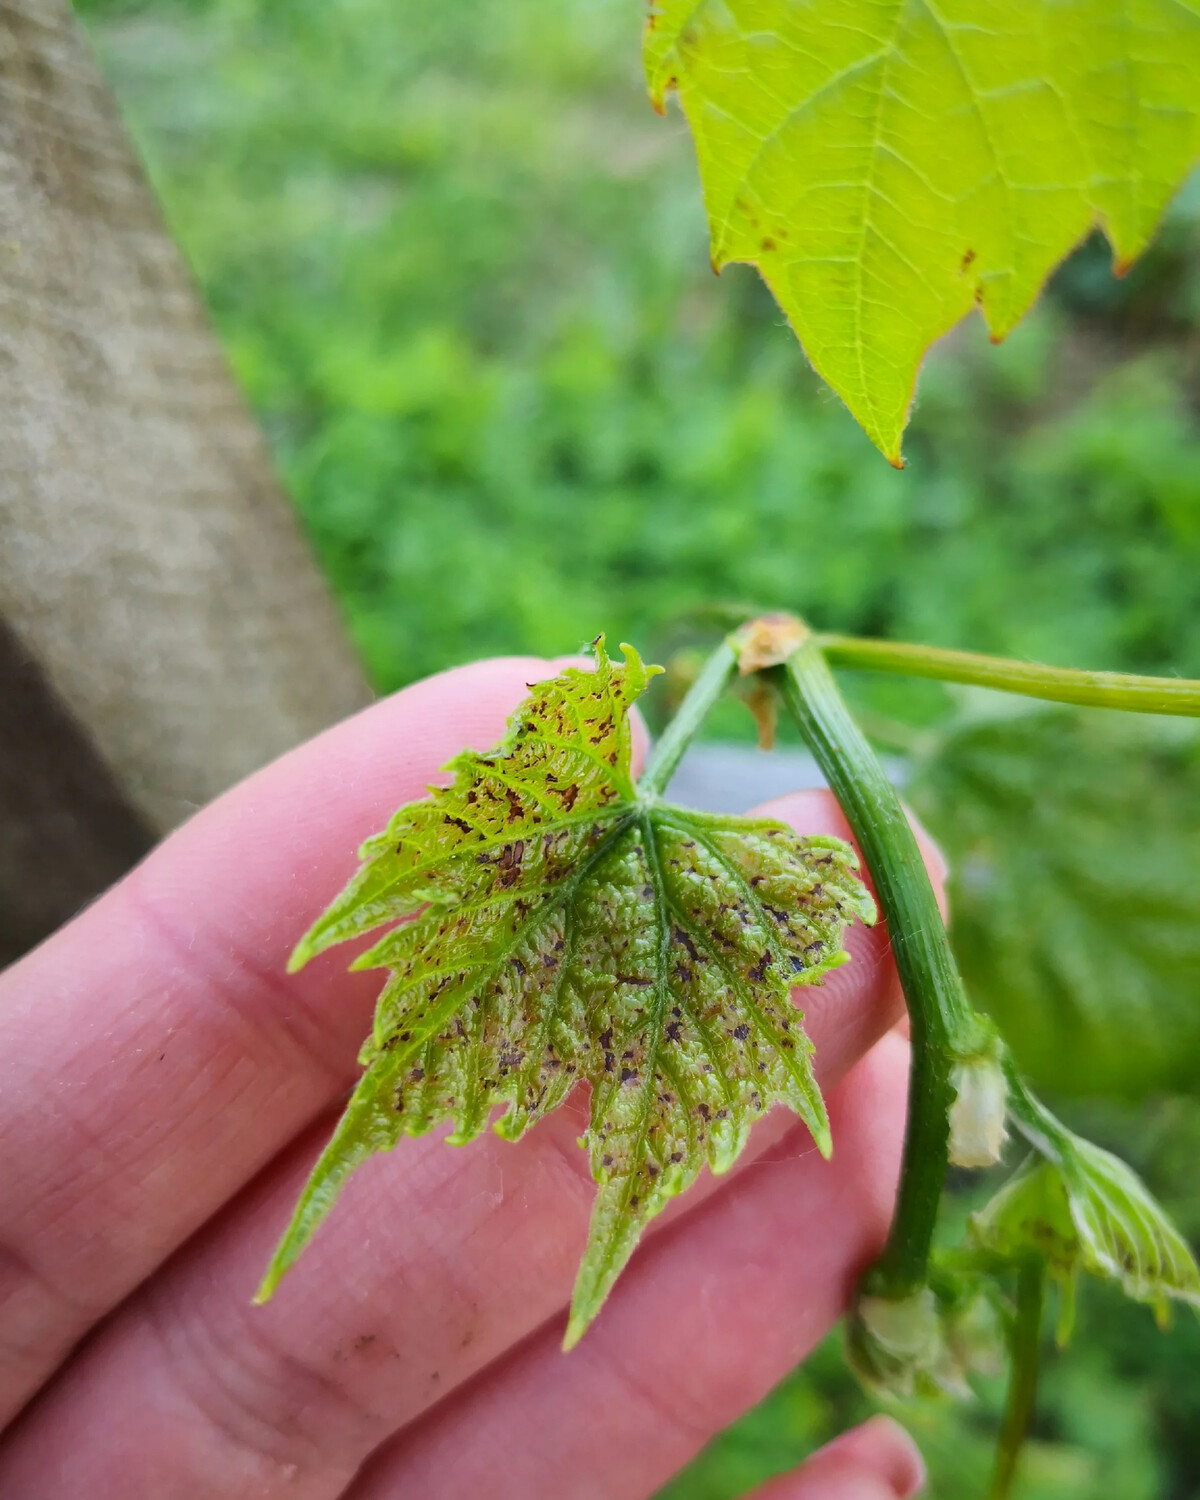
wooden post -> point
(165, 624)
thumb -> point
(877, 1461)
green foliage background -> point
(461, 272)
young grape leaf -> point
(553, 927)
(887, 164)
(1086, 1210)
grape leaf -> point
(887, 164)
(556, 927)
(1074, 845)
(1086, 1210)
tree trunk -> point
(152, 575)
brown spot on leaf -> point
(682, 938)
(509, 863)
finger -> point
(153, 1055)
(877, 1461)
(159, 1407)
(435, 1263)
(713, 1315)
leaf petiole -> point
(944, 1026)
(1046, 1134)
(714, 678)
(1148, 695)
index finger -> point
(153, 1054)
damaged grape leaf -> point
(888, 164)
(553, 927)
(1087, 1211)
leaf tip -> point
(300, 955)
(577, 1326)
(269, 1285)
(638, 671)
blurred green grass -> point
(461, 273)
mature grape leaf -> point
(1074, 847)
(554, 926)
(887, 164)
(1088, 1211)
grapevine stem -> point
(1023, 1372)
(944, 1027)
(1149, 695)
(714, 678)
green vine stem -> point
(1023, 1372)
(1150, 695)
(717, 673)
(944, 1027)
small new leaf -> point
(1088, 1211)
(554, 927)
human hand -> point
(164, 1089)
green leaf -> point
(1074, 848)
(554, 927)
(887, 164)
(1086, 1210)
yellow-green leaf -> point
(1086, 1210)
(889, 163)
(554, 926)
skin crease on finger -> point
(242, 1380)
